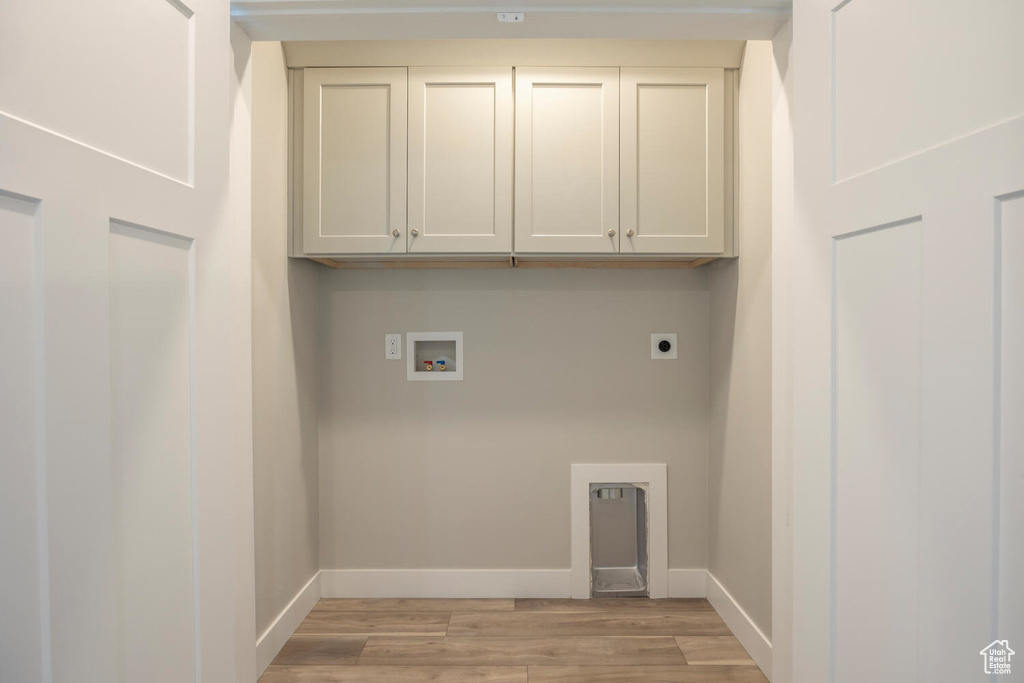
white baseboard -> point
(742, 626)
(445, 583)
(687, 583)
(282, 628)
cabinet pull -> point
(630, 233)
(611, 233)
(396, 233)
(415, 232)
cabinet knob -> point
(630, 233)
(415, 232)
(396, 233)
(611, 233)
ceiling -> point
(409, 19)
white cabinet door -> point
(460, 160)
(672, 161)
(567, 160)
(354, 155)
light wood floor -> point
(513, 641)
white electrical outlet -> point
(393, 346)
(663, 346)
(511, 17)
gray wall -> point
(739, 424)
(475, 474)
(284, 349)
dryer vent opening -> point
(618, 540)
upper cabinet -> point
(672, 163)
(492, 161)
(460, 160)
(567, 160)
(354, 161)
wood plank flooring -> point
(333, 622)
(629, 640)
(607, 623)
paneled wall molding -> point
(93, 148)
(150, 126)
(25, 633)
(868, 37)
(1008, 435)
(898, 373)
(153, 457)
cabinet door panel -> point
(355, 161)
(672, 164)
(460, 156)
(567, 159)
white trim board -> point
(282, 628)
(418, 23)
(742, 626)
(655, 475)
(444, 583)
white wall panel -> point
(880, 117)
(954, 572)
(1010, 456)
(96, 122)
(877, 459)
(136, 109)
(912, 109)
(24, 590)
(151, 387)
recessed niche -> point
(619, 520)
(434, 356)
(618, 540)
